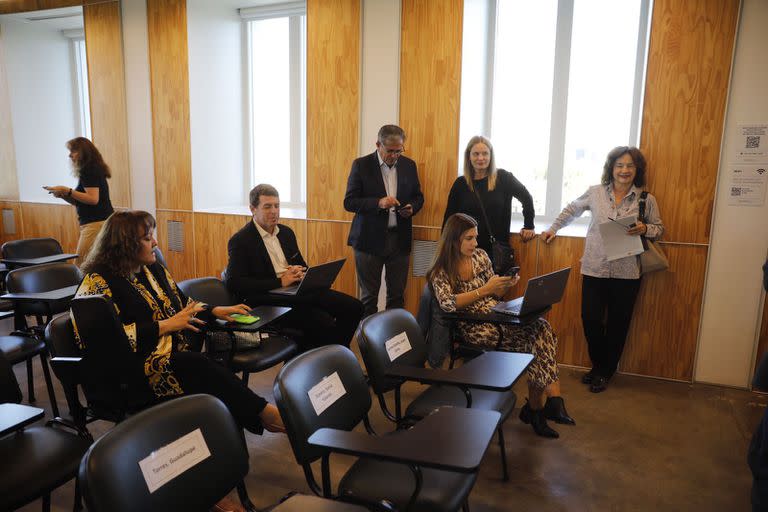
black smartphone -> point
(512, 272)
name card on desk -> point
(397, 346)
(325, 393)
(165, 464)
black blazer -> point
(249, 273)
(365, 187)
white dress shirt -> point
(389, 174)
(274, 249)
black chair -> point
(37, 279)
(112, 479)
(160, 257)
(39, 458)
(372, 337)
(30, 248)
(103, 371)
(272, 351)
(397, 470)
(19, 347)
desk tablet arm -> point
(433, 376)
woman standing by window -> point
(91, 195)
(609, 288)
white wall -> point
(38, 61)
(138, 104)
(732, 296)
(216, 103)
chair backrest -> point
(209, 290)
(186, 429)
(435, 328)
(398, 329)
(303, 373)
(31, 248)
(9, 386)
(41, 278)
(111, 378)
(60, 341)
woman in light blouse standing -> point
(609, 288)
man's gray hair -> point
(390, 131)
(261, 189)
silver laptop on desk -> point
(319, 277)
(541, 292)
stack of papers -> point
(616, 242)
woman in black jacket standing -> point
(495, 188)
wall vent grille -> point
(175, 236)
(9, 222)
(423, 252)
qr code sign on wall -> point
(753, 142)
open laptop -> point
(319, 277)
(541, 292)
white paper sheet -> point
(616, 242)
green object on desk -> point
(244, 319)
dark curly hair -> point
(118, 243)
(637, 158)
(89, 159)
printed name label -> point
(326, 392)
(165, 464)
(397, 346)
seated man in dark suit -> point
(264, 255)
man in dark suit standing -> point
(383, 192)
(264, 255)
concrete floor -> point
(644, 444)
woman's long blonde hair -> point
(469, 171)
(448, 253)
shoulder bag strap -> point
(485, 217)
(641, 206)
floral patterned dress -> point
(536, 337)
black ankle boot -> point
(554, 409)
(538, 421)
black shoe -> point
(554, 409)
(587, 377)
(537, 420)
(598, 385)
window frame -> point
(558, 116)
(296, 12)
(80, 74)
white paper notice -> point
(326, 392)
(748, 183)
(165, 464)
(616, 242)
(752, 143)
(397, 346)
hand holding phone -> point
(512, 272)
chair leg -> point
(465, 507)
(78, 504)
(47, 502)
(30, 382)
(503, 450)
(49, 383)
(246, 375)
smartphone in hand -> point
(512, 272)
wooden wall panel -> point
(689, 64)
(181, 264)
(430, 71)
(328, 241)
(18, 233)
(106, 83)
(9, 183)
(663, 336)
(565, 316)
(11, 6)
(333, 103)
(169, 77)
(57, 221)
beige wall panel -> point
(415, 284)
(9, 183)
(169, 77)
(565, 316)
(333, 103)
(106, 83)
(663, 335)
(57, 221)
(213, 231)
(181, 264)
(18, 221)
(430, 70)
(328, 241)
(689, 65)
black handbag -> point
(502, 255)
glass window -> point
(555, 84)
(83, 99)
(277, 76)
